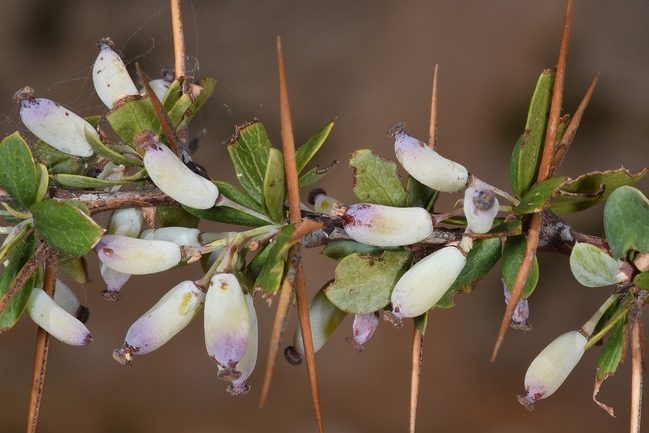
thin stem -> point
(589, 326)
(636, 374)
(42, 350)
(290, 167)
(281, 316)
(432, 128)
(571, 129)
(161, 114)
(288, 143)
(42, 253)
(544, 173)
(415, 375)
(549, 151)
(179, 39)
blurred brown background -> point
(369, 63)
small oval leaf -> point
(65, 227)
(363, 284)
(625, 221)
(376, 180)
(18, 175)
(592, 267)
(511, 261)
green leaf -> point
(483, 256)
(74, 267)
(592, 267)
(611, 356)
(625, 221)
(18, 175)
(511, 262)
(526, 158)
(338, 250)
(376, 179)
(228, 215)
(233, 193)
(171, 216)
(252, 271)
(364, 284)
(105, 152)
(16, 307)
(49, 155)
(207, 84)
(272, 273)
(274, 186)
(131, 115)
(174, 92)
(249, 151)
(188, 104)
(76, 181)
(43, 181)
(304, 154)
(419, 195)
(642, 280)
(11, 246)
(591, 189)
(65, 227)
(540, 196)
(314, 174)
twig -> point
(415, 376)
(557, 98)
(544, 173)
(636, 374)
(179, 39)
(105, 201)
(42, 253)
(285, 297)
(521, 279)
(288, 146)
(571, 129)
(432, 128)
(42, 350)
(161, 114)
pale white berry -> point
(426, 165)
(324, 317)
(173, 177)
(387, 226)
(227, 324)
(480, 208)
(54, 124)
(249, 360)
(137, 256)
(551, 367)
(170, 315)
(60, 324)
(109, 75)
(425, 283)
